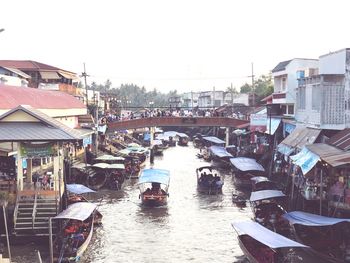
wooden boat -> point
(132, 167)
(328, 237)
(244, 169)
(267, 206)
(209, 180)
(183, 139)
(238, 199)
(76, 194)
(76, 234)
(158, 147)
(262, 183)
(154, 185)
(220, 156)
(261, 245)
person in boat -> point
(148, 191)
(156, 188)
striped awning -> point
(49, 75)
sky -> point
(183, 45)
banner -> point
(258, 122)
(38, 150)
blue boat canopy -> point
(78, 211)
(264, 235)
(155, 176)
(219, 151)
(146, 137)
(259, 179)
(182, 135)
(213, 139)
(246, 164)
(265, 194)
(79, 189)
(307, 219)
(170, 133)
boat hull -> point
(154, 200)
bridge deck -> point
(178, 121)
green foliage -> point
(263, 87)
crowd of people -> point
(171, 112)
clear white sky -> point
(182, 44)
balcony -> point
(279, 98)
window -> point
(283, 84)
(290, 109)
(316, 97)
(301, 98)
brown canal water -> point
(192, 227)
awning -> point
(213, 139)
(305, 159)
(18, 72)
(275, 122)
(246, 164)
(68, 75)
(307, 219)
(300, 137)
(155, 176)
(108, 157)
(265, 194)
(49, 75)
(79, 189)
(78, 211)
(264, 235)
(284, 149)
(219, 151)
(330, 154)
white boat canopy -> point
(108, 157)
(79, 189)
(264, 235)
(246, 164)
(109, 166)
(78, 211)
(265, 194)
(307, 219)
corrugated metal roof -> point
(29, 65)
(330, 154)
(28, 131)
(11, 97)
(281, 66)
(341, 139)
(301, 136)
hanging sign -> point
(29, 150)
(258, 122)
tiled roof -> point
(281, 66)
(11, 97)
(26, 65)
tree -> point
(246, 88)
(232, 91)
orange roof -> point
(12, 96)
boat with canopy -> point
(244, 169)
(183, 139)
(76, 193)
(262, 183)
(209, 180)
(328, 237)
(261, 245)
(268, 209)
(219, 155)
(77, 230)
(154, 186)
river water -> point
(192, 227)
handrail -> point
(34, 209)
(16, 207)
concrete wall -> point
(333, 63)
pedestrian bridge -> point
(178, 122)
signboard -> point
(258, 122)
(37, 150)
(189, 120)
(87, 140)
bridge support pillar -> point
(227, 133)
(151, 133)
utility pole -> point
(253, 88)
(86, 89)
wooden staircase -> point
(32, 213)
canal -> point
(192, 228)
